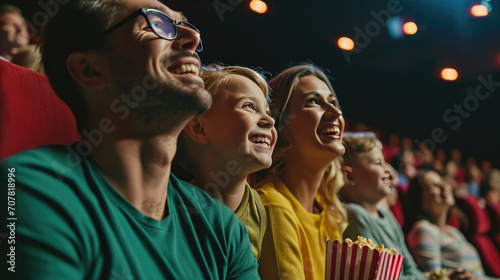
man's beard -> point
(166, 100)
(170, 100)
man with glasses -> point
(107, 207)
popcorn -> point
(437, 274)
(361, 259)
(364, 242)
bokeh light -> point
(410, 28)
(258, 6)
(449, 74)
(479, 11)
(345, 43)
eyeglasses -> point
(160, 23)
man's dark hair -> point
(73, 29)
(7, 8)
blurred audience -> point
(391, 201)
(473, 178)
(456, 156)
(490, 188)
(29, 56)
(404, 163)
(433, 243)
(13, 31)
(391, 149)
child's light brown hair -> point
(217, 76)
(355, 146)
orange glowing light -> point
(345, 43)
(258, 6)
(410, 28)
(449, 74)
(479, 11)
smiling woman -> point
(299, 192)
(433, 243)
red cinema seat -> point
(31, 115)
(397, 208)
(478, 233)
(494, 213)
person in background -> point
(299, 191)
(13, 31)
(29, 57)
(404, 163)
(220, 157)
(392, 148)
(490, 188)
(473, 178)
(433, 243)
(391, 201)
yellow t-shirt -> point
(252, 214)
(294, 245)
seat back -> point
(31, 115)
(397, 208)
(478, 233)
(494, 214)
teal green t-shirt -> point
(72, 224)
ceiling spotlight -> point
(258, 6)
(449, 74)
(479, 11)
(345, 43)
(410, 28)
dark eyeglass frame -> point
(144, 12)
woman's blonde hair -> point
(283, 87)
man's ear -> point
(348, 178)
(196, 132)
(88, 69)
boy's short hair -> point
(354, 146)
(216, 76)
(7, 8)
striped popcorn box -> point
(346, 262)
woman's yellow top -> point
(294, 245)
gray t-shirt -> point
(383, 230)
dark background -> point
(392, 85)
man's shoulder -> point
(48, 161)
(198, 203)
(51, 152)
(48, 175)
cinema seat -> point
(31, 115)
(494, 214)
(478, 233)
